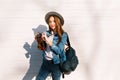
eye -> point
(49, 21)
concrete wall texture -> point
(93, 27)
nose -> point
(52, 23)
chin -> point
(53, 28)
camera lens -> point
(39, 35)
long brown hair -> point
(58, 29)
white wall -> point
(93, 27)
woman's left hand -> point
(47, 40)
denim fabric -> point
(49, 67)
(58, 55)
(58, 49)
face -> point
(51, 23)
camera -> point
(41, 44)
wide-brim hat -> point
(52, 13)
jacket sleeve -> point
(60, 47)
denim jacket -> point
(58, 49)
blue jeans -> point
(48, 67)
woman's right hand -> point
(43, 36)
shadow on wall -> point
(34, 54)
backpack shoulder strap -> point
(68, 41)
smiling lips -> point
(52, 26)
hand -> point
(45, 38)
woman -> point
(55, 39)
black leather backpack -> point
(71, 62)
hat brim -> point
(54, 14)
